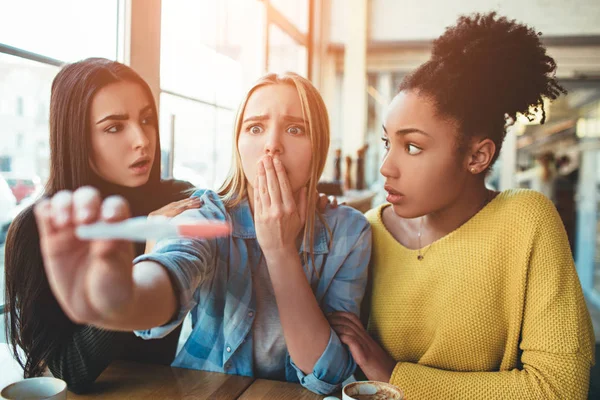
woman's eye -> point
(148, 120)
(255, 129)
(386, 143)
(114, 128)
(295, 130)
(413, 150)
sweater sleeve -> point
(557, 341)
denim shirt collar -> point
(243, 228)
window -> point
(295, 11)
(26, 84)
(285, 54)
(35, 38)
(210, 52)
(67, 30)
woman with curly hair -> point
(475, 293)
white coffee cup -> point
(43, 388)
(379, 390)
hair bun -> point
(491, 55)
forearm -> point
(548, 376)
(305, 328)
(152, 301)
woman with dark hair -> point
(474, 292)
(103, 133)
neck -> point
(470, 201)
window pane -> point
(211, 50)
(296, 11)
(202, 140)
(67, 30)
(224, 145)
(285, 54)
(24, 148)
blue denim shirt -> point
(213, 281)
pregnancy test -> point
(140, 229)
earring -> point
(472, 170)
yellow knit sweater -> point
(494, 310)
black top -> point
(83, 352)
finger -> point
(115, 208)
(193, 202)
(193, 199)
(302, 200)
(86, 205)
(272, 181)
(186, 205)
(348, 316)
(333, 201)
(322, 202)
(262, 188)
(257, 202)
(62, 208)
(43, 217)
(287, 197)
(341, 325)
(354, 324)
(356, 348)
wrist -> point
(280, 254)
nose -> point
(273, 145)
(388, 168)
(140, 137)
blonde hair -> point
(314, 112)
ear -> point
(481, 153)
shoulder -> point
(176, 189)
(22, 240)
(523, 215)
(375, 217)
(23, 225)
(212, 207)
(525, 204)
(345, 220)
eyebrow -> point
(406, 131)
(266, 117)
(122, 117)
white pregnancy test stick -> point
(140, 229)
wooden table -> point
(131, 381)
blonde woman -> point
(258, 298)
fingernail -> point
(109, 212)
(83, 214)
(110, 207)
(62, 218)
(276, 161)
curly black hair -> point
(485, 70)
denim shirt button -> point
(228, 349)
(251, 314)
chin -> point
(407, 212)
(136, 182)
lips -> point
(391, 190)
(394, 196)
(140, 162)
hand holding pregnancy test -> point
(87, 252)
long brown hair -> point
(34, 320)
(314, 111)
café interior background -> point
(199, 55)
